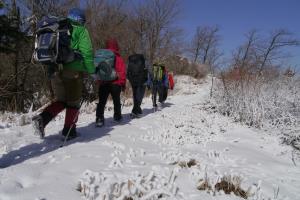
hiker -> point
(113, 87)
(67, 80)
(171, 80)
(137, 75)
(158, 82)
(165, 85)
(168, 83)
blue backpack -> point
(105, 65)
(53, 41)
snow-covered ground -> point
(184, 151)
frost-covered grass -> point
(227, 184)
(263, 104)
(151, 186)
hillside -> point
(184, 151)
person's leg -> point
(134, 98)
(51, 111)
(40, 121)
(115, 93)
(154, 94)
(164, 94)
(161, 94)
(139, 97)
(73, 83)
(59, 93)
(71, 119)
(103, 93)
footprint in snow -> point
(116, 163)
(236, 140)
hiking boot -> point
(70, 133)
(139, 111)
(157, 107)
(118, 118)
(39, 123)
(135, 115)
(160, 105)
(99, 121)
(38, 126)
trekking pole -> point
(76, 116)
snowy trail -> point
(148, 156)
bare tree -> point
(245, 59)
(204, 50)
(204, 46)
(39, 8)
(210, 47)
(271, 49)
(259, 54)
(256, 67)
(156, 18)
(106, 19)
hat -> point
(77, 15)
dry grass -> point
(227, 184)
(204, 185)
(229, 187)
(128, 198)
(186, 164)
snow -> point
(166, 154)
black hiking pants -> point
(138, 93)
(158, 89)
(164, 93)
(104, 91)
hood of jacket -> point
(112, 44)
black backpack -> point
(137, 72)
(53, 41)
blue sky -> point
(237, 17)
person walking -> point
(158, 81)
(113, 87)
(67, 81)
(137, 75)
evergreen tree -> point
(10, 28)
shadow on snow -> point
(53, 142)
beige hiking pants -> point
(67, 86)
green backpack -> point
(105, 65)
(158, 72)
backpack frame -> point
(53, 41)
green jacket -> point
(81, 42)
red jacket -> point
(171, 81)
(120, 67)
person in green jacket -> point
(67, 83)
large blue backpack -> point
(53, 41)
(105, 65)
